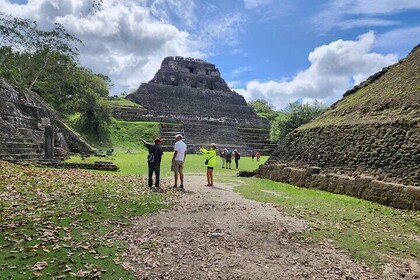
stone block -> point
(312, 170)
(297, 177)
(246, 174)
(361, 183)
(284, 174)
(319, 181)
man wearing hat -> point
(153, 159)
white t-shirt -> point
(180, 147)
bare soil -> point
(215, 233)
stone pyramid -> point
(193, 98)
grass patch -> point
(134, 163)
(66, 223)
(368, 231)
(122, 102)
(121, 135)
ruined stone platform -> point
(24, 117)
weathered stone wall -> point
(23, 117)
(185, 100)
(361, 186)
(140, 114)
(189, 72)
(388, 152)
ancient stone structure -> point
(189, 72)
(25, 119)
(366, 145)
(189, 96)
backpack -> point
(239, 155)
(151, 158)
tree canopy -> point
(293, 116)
(47, 63)
(263, 109)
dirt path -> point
(214, 233)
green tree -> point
(31, 52)
(46, 62)
(293, 116)
(88, 97)
(263, 109)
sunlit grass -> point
(134, 163)
(370, 232)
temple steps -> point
(15, 147)
(167, 134)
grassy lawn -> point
(368, 231)
(65, 223)
(134, 163)
(122, 102)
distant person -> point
(210, 162)
(222, 155)
(153, 161)
(178, 159)
(258, 155)
(237, 157)
(253, 155)
(228, 158)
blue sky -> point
(281, 51)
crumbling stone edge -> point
(97, 165)
(361, 186)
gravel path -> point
(215, 233)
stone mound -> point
(191, 93)
(24, 117)
(373, 130)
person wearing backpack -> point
(228, 157)
(237, 157)
(210, 162)
(153, 161)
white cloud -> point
(402, 38)
(379, 7)
(353, 23)
(122, 40)
(255, 4)
(127, 40)
(334, 68)
(346, 14)
(240, 70)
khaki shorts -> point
(177, 166)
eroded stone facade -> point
(23, 119)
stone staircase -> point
(15, 148)
(244, 139)
(257, 139)
(167, 134)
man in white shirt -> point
(180, 152)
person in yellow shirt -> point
(210, 162)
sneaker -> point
(174, 186)
(181, 187)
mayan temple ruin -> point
(31, 130)
(188, 96)
(366, 145)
